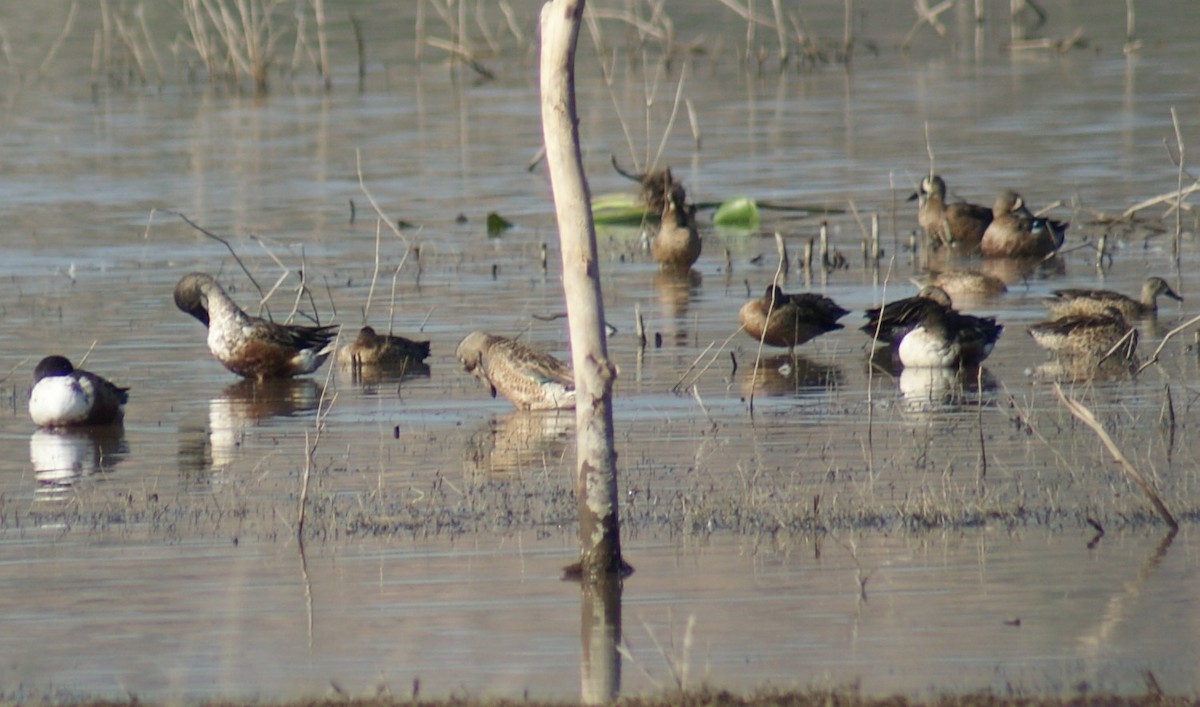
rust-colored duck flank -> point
(250, 346)
(530, 379)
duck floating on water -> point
(1071, 301)
(1016, 233)
(65, 396)
(779, 319)
(959, 225)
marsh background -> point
(850, 530)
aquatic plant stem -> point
(262, 297)
(1086, 417)
(310, 450)
(1166, 337)
(1178, 185)
(780, 271)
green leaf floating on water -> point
(618, 210)
(497, 224)
(738, 212)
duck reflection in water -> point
(63, 456)
(240, 407)
(520, 441)
(926, 388)
(675, 289)
(789, 375)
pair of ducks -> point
(1008, 229)
(1088, 325)
(251, 347)
(923, 330)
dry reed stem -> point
(1177, 195)
(17, 365)
(780, 270)
(1085, 415)
(60, 39)
(780, 32)
(696, 361)
(228, 247)
(609, 82)
(747, 14)
(662, 145)
(310, 448)
(488, 35)
(241, 44)
(510, 18)
(645, 28)
(362, 186)
(1162, 344)
(87, 353)
(131, 46)
(140, 13)
(395, 277)
(419, 30)
(322, 43)
(926, 14)
(1178, 185)
(375, 271)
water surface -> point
(822, 521)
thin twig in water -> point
(310, 448)
(1154, 357)
(88, 353)
(1085, 415)
(58, 41)
(1178, 185)
(375, 272)
(662, 145)
(362, 186)
(222, 241)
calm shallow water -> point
(442, 517)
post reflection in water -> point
(240, 406)
(61, 457)
(521, 440)
(599, 640)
